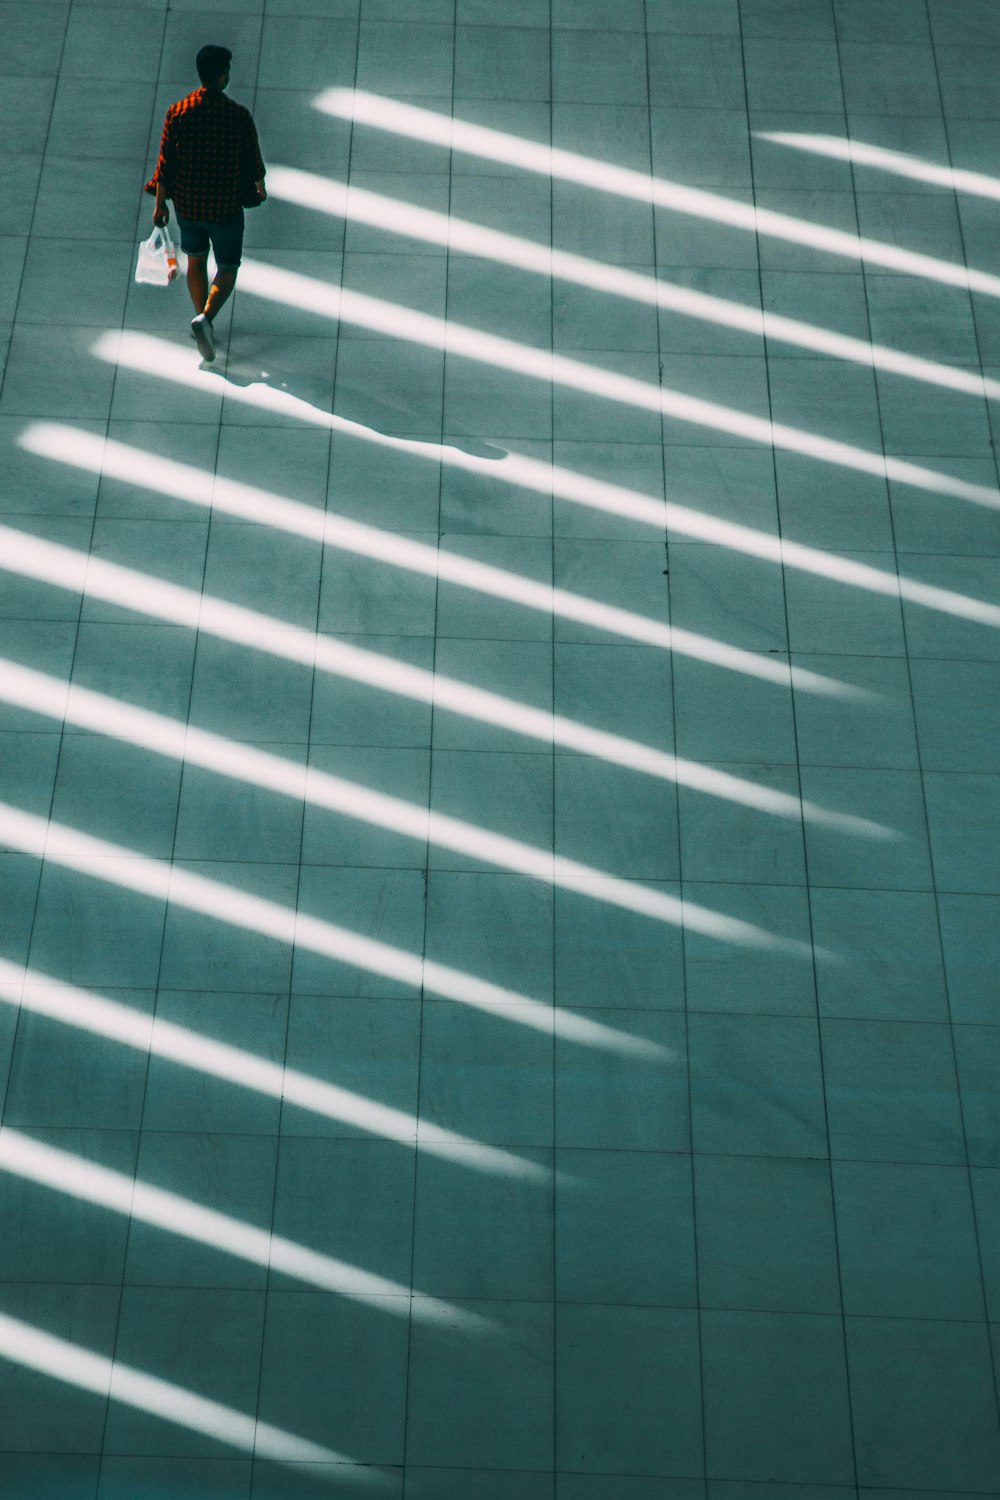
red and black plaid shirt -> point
(209, 156)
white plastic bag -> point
(157, 264)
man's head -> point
(213, 66)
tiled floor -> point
(500, 936)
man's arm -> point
(161, 213)
(161, 181)
(257, 161)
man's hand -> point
(261, 192)
(161, 217)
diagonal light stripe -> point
(114, 460)
(115, 865)
(414, 327)
(23, 1344)
(358, 205)
(451, 134)
(899, 163)
(43, 995)
(48, 562)
(64, 1172)
(109, 716)
(139, 352)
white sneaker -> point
(201, 332)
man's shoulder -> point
(185, 105)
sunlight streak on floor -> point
(49, 562)
(157, 357)
(899, 163)
(113, 460)
(426, 125)
(357, 308)
(76, 1177)
(43, 995)
(23, 1344)
(357, 205)
(118, 866)
(108, 716)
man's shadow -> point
(358, 411)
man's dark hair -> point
(212, 62)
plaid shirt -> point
(209, 156)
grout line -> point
(851, 1433)
(956, 1066)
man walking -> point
(211, 167)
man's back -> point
(208, 155)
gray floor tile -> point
(858, 22)
(207, 1341)
(489, 1077)
(492, 1484)
(60, 1236)
(624, 1229)
(228, 1478)
(698, 71)
(879, 955)
(727, 840)
(186, 1099)
(760, 1367)
(334, 838)
(891, 1092)
(968, 938)
(632, 827)
(385, 905)
(283, 1481)
(766, 1239)
(609, 1101)
(962, 818)
(621, 1369)
(26, 1475)
(896, 860)
(501, 62)
(740, 1102)
(736, 977)
(483, 1402)
(120, 47)
(45, 1416)
(890, 78)
(976, 1054)
(61, 1078)
(907, 1241)
(912, 1425)
(393, 56)
(353, 1406)
(235, 1175)
(469, 918)
(609, 956)
(363, 1218)
(476, 1235)
(197, 949)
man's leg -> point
(219, 292)
(197, 280)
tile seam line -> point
(113, 1349)
(13, 322)
(549, 399)
(214, 522)
(984, 1287)
(849, 1433)
(421, 998)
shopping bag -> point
(157, 263)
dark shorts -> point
(226, 239)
